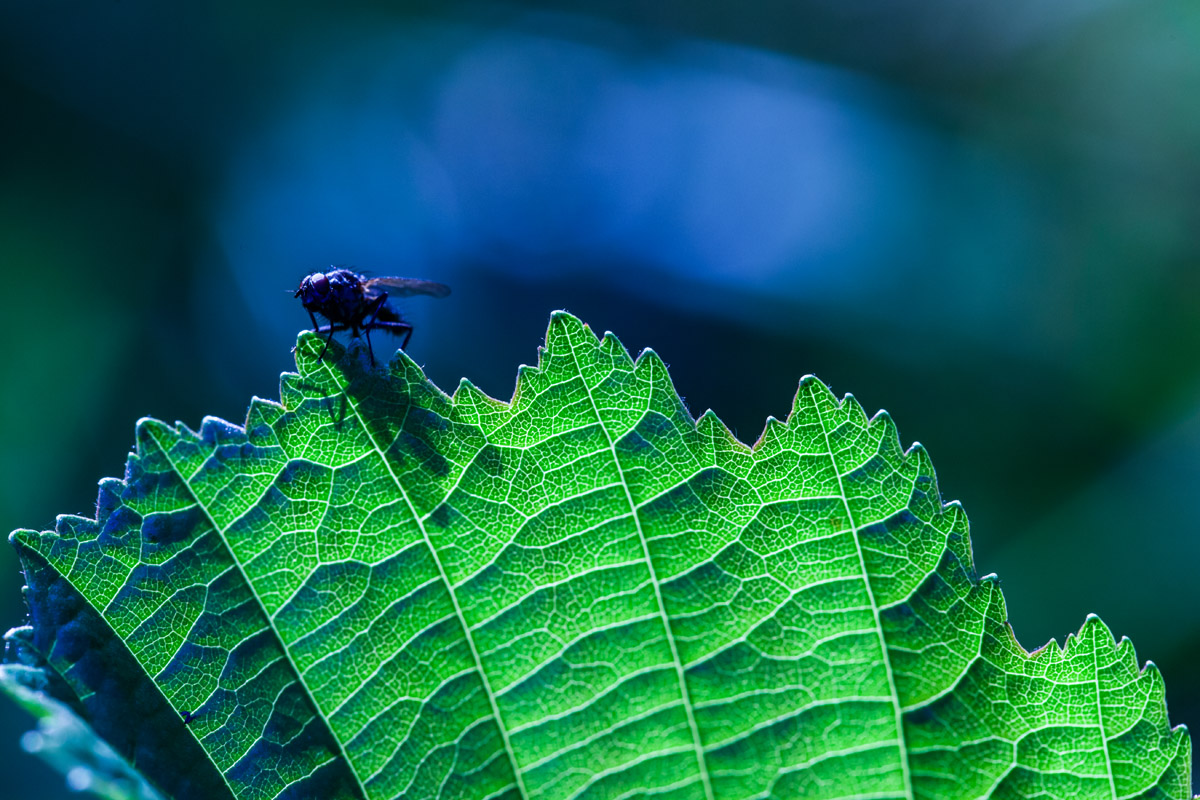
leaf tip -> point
(649, 358)
(146, 427)
(817, 388)
(1092, 625)
(561, 319)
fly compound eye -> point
(321, 284)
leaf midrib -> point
(887, 661)
(445, 579)
(633, 509)
(1112, 784)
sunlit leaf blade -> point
(377, 590)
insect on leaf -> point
(376, 590)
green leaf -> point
(377, 590)
(68, 744)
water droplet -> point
(32, 742)
(79, 779)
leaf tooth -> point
(472, 401)
(1126, 653)
(664, 397)
(917, 459)
(400, 363)
(889, 445)
(290, 394)
(466, 391)
(24, 538)
(882, 418)
(854, 410)
(956, 507)
(75, 526)
(958, 522)
(1183, 755)
(526, 375)
(145, 431)
(108, 498)
(611, 345)
(1090, 631)
(713, 427)
(820, 393)
(564, 329)
(1094, 627)
(1058, 650)
(535, 367)
(773, 429)
(918, 454)
(649, 366)
(215, 431)
(648, 357)
(184, 432)
(263, 410)
(260, 420)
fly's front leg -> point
(331, 328)
(319, 329)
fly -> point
(354, 302)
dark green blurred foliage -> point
(983, 219)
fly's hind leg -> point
(371, 323)
(397, 329)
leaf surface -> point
(68, 744)
(376, 590)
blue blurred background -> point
(984, 217)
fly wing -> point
(406, 287)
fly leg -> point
(319, 329)
(331, 329)
(371, 323)
(398, 329)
